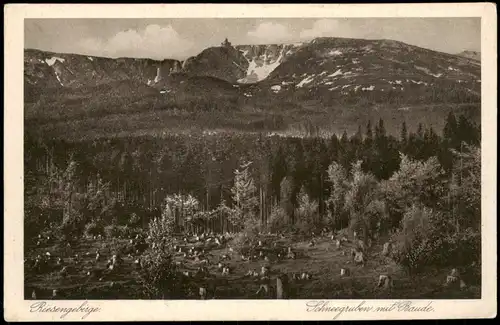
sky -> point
(181, 38)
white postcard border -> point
(17, 309)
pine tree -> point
(420, 131)
(369, 132)
(286, 199)
(345, 153)
(279, 169)
(368, 141)
(244, 195)
(344, 140)
(404, 135)
(333, 148)
(466, 131)
(450, 131)
(380, 130)
(465, 187)
(67, 189)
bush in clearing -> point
(277, 219)
(159, 275)
(134, 220)
(244, 239)
(114, 231)
(429, 238)
(416, 243)
(306, 214)
(72, 226)
(93, 229)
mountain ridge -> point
(332, 71)
(259, 61)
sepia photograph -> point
(252, 158)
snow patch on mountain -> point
(260, 71)
(53, 60)
(437, 75)
(59, 79)
(335, 53)
(336, 73)
(305, 81)
(419, 82)
(276, 88)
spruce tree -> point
(450, 131)
(286, 200)
(404, 135)
(244, 195)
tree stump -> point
(203, 293)
(385, 282)
(359, 258)
(344, 272)
(387, 249)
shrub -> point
(114, 231)
(110, 231)
(416, 241)
(159, 275)
(247, 236)
(134, 220)
(158, 271)
(93, 229)
(428, 238)
(161, 230)
(463, 248)
(306, 214)
(241, 243)
(72, 226)
(32, 227)
(277, 219)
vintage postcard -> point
(250, 162)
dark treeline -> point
(140, 172)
